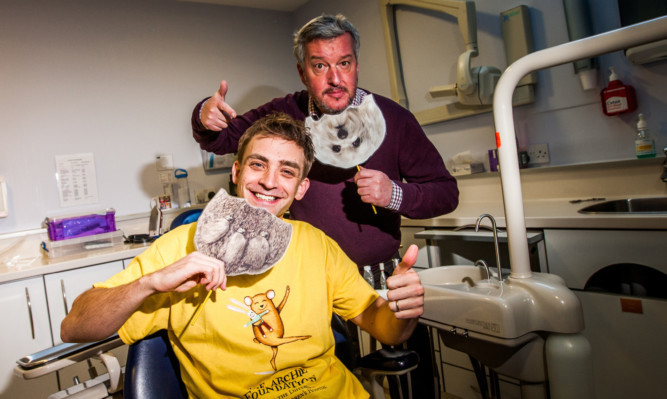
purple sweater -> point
(332, 203)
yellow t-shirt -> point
(266, 336)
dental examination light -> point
(474, 85)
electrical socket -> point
(538, 153)
(205, 195)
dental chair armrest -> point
(61, 356)
(390, 360)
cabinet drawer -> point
(24, 315)
(62, 288)
(575, 255)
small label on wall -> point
(76, 179)
(630, 305)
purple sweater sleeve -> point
(226, 141)
(410, 159)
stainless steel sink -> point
(629, 205)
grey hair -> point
(324, 27)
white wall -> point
(565, 116)
(119, 79)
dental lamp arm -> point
(464, 11)
(473, 86)
(466, 15)
(603, 43)
(465, 85)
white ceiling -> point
(278, 5)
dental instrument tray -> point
(79, 245)
(81, 225)
(67, 350)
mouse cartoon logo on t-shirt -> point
(267, 325)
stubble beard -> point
(325, 109)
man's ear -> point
(301, 190)
(301, 74)
(236, 168)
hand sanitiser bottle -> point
(617, 98)
(644, 145)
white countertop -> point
(547, 193)
(544, 214)
(39, 265)
(540, 214)
(546, 200)
(21, 256)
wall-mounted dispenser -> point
(517, 36)
(213, 161)
(579, 26)
(637, 11)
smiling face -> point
(330, 72)
(270, 174)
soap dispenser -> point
(617, 98)
(644, 145)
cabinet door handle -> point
(32, 323)
(62, 287)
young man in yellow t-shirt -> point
(290, 353)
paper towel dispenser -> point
(637, 11)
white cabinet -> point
(25, 329)
(31, 311)
(619, 277)
(62, 288)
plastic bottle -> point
(644, 146)
(368, 276)
(166, 181)
(617, 98)
(383, 278)
(180, 189)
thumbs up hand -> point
(215, 112)
(406, 293)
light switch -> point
(164, 162)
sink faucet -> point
(481, 262)
(664, 166)
(495, 241)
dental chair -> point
(153, 371)
(372, 368)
